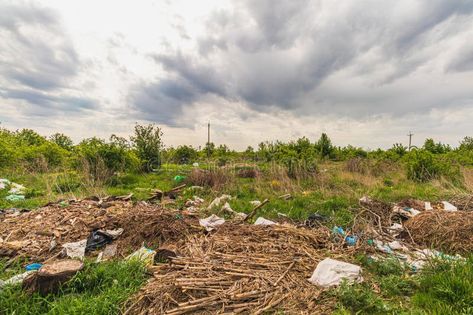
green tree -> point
(148, 144)
(62, 140)
(466, 144)
(30, 137)
(324, 146)
(436, 148)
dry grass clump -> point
(357, 165)
(248, 172)
(214, 178)
(242, 269)
(448, 231)
(463, 202)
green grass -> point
(97, 289)
(390, 287)
(446, 288)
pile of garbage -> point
(410, 229)
(51, 230)
(243, 268)
(221, 263)
(16, 191)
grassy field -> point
(390, 288)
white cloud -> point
(364, 72)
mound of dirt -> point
(39, 234)
(242, 269)
(451, 232)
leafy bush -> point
(423, 166)
(185, 154)
(436, 148)
(101, 159)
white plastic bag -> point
(76, 249)
(218, 201)
(331, 272)
(263, 221)
(447, 206)
(211, 222)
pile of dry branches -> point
(242, 269)
(448, 231)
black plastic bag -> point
(97, 239)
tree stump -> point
(51, 275)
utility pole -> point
(208, 139)
(410, 139)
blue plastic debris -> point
(338, 230)
(351, 240)
(33, 266)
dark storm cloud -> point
(162, 101)
(282, 54)
(41, 104)
(37, 60)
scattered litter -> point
(383, 247)
(351, 240)
(238, 215)
(338, 230)
(365, 199)
(143, 254)
(428, 206)
(108, 253)
(16, 189)
(255, 203)
(447, 206)
(113, 233)
(330, 272)
(98, 239)
(194, 202)
(211, 222)
(75, 249)
(33, 266)
(15, 197)
(396, 245)
(218, 201)
(195, 164)
(16, 279)
(396, 228)
(405, 211)
(51, 275)
(263, 221)
(179, 178)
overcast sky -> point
(365, 72)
